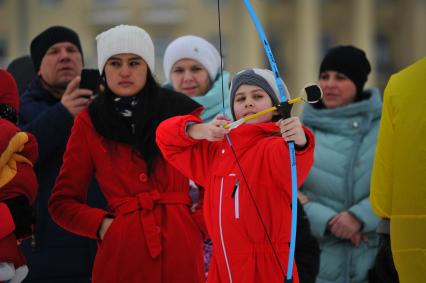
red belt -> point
(145, 202)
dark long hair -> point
(155, 104)
(110, 124)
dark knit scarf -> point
(135, 120)
(125, 107)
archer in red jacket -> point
(18, 182)
(242, 252)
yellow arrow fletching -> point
(295, 100)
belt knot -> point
(147, 200)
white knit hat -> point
(192, 47)
(125, 39)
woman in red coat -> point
(150, 233)
(241, 251)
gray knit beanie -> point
(262, 78)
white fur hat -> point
(125, 39)
(192, 47)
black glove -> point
(22, 215)
(307, 254)
(383, 269)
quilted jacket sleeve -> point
(191, 157)
(50, 125)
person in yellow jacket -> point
(398, 185)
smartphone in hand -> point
(90, 79)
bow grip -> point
(284, 109)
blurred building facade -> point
(392, 32)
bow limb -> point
(238, 163)
(283, 98)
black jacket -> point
(54, 255)
(307, 253)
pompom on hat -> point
(195, 48)
(262, 78)
(51, 36)
(9, 97)
(350, 61)
(125, 39)
(9, 94)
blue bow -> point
(282, 96)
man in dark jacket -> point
(48, 108)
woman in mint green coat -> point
(192, 67)
(336, 193)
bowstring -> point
(235, 155)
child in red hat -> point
(18, 182)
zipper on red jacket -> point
(236, 197)
(221, 232)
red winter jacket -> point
(154, 236)
(18, 153)
(241, 249)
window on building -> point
(161, 42)
(3, 50)
(50, 3)
(326, 42)
(106, 2)
(214, 2)
(162, 2)
(275, 40)
(383, 56)
(326, 2)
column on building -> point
(364, 32)
(245, 43)
(417, 24)
(307, 27)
